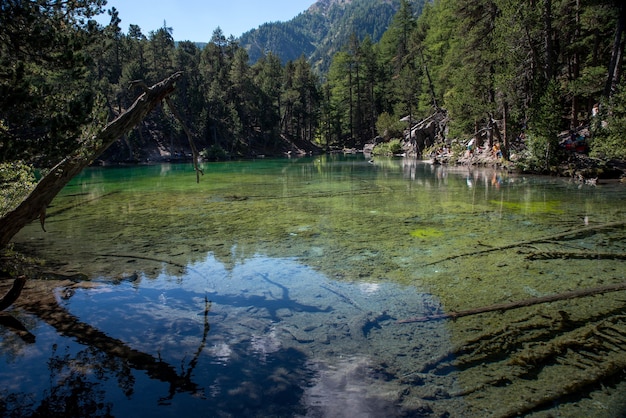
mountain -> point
(323, 29)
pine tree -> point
(46, 77)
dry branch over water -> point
(35, 204)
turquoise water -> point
(274, 287)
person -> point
(470, 147)
(497, 152)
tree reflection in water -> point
(284, 341)
(72, 392)
(78, 380)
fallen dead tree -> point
(518, 304)
(589, 351)
(35, 204)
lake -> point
(282, 288)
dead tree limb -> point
(574, 232)
(519, 304)
(35, 204)
(578, 255)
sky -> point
(195, 20)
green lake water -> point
(274, 288)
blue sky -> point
(195, 20)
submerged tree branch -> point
(519, 304)
(574, 232)
(13, 293)
(547, 255)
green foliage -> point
(391, 147)
(214, 153)
(323, 30)
(492, 60)
(46, 81)
(546, 123)
(609, 127)
(17, 180)
(389, 126)
(484, 61)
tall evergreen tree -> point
(268, 76)
(46, 77)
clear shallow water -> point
(272, 288)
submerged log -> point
(13, 293)
(550, 255)
(519, 304)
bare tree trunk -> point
(574, 65)
(431, 86)
(35, 204)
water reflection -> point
(273, 288)
(269, 337)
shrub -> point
(214, 153)
(388, 148)
(388, 126)
(16, 181)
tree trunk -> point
(548, 40)
(574, 70)
(35, 204)
(431, 86)
(505, 130)
(616, 55)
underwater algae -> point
(549, 357)
(363, 227)
(426, 233)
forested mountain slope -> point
(507, 70)
(322, 30)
